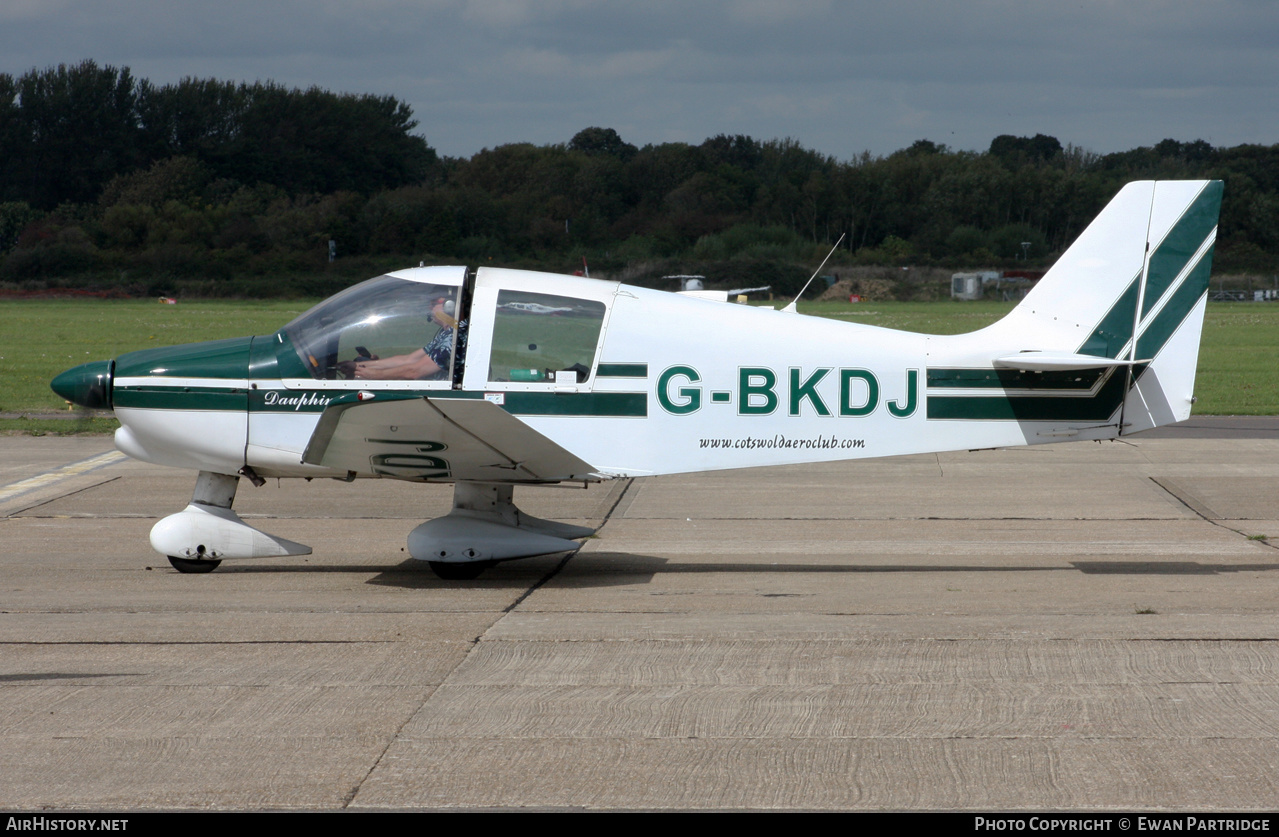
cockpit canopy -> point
(380, 320)
(528, 332)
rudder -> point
(1172, 303)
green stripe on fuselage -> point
(158, 396)
(601, 404)
(1099, 407)
(1013, 379)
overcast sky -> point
(839, 77)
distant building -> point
(969, 285)
(1009, 284)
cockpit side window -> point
(537, 335)
(383, 329)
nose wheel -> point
(189, 565)
(196, 539)
(469, 571)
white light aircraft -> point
(467, 381)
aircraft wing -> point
(420, 438)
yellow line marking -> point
(58, 474)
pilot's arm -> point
(414, 366)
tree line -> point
(108, 179)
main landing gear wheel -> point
(188, 565)
(452, 571)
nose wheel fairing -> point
(207, 530)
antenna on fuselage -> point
(791, 307)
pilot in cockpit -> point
(429, 363)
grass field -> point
(40, 338)
(1238, 361)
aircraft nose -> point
(88, 384)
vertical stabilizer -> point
(1126, 301)
(1087, 301)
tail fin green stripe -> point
(1099, 407)
(1179, 305)
(1115, 329)
(1180, 245)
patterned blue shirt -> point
(440, 349)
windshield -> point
(383, 329)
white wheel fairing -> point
(209, 532)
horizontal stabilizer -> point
(1059, 361)
(422, 438)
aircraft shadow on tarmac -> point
(31, 677)
(413, 574)
(615, 569)
(1165, 568)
